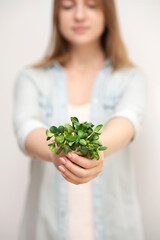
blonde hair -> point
(112, 43)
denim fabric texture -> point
(40, 101)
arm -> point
(37, 146)
(117, 134)
(126, 122)
(29, 128)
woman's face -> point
(81, 21)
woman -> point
(87, 74)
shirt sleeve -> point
(26, 110)
(133, 103)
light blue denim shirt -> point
(40, 100)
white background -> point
(24, 34)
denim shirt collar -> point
(106, 64)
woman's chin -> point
(81, 42)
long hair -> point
(111, 40)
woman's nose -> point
(79, 12)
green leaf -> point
(71, 138)
(53, 129)
(66, 149)
(97, 157)
(51, 147)
(84, 126)
(70, 143)
(102, 148)
(49, 134)
(94, 154)
(79, 148)
(85, 135)
(82, 134)
(97, 142)
(89, 154)
(91, 136)
(91, 147)
(48, 138)
(84, 150)
(59, 150)
(73, 147)
(83, 142)
(56, 134)
(89, 125)
(98, 128)
(95, 137)
(74, 119)
(77, 140)
(65, 129)
(69, 128)
(75, 122)
(59, 139)
(90, 131)
(61, 129)
(76, 127)
(60, 144)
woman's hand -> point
(55, 157)
(78, 169)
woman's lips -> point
(80, 29)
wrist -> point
(50, 156)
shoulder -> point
(129, 75)
(129, 72)
(39, 78)
(123, 79)
(32, 72)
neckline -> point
(98, 81)
(81, 105)
(106, 63)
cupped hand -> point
(55, 158)
(78, 169)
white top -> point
(80, 196)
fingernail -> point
(62, 160)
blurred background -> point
(24, 34)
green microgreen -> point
(78, 137)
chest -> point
(106, 89)
(79, 87)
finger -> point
(70, 175)
(77, 183)
(75, 169)
(68, 179)
(82, 161)
(79, 153)
(82, 172)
